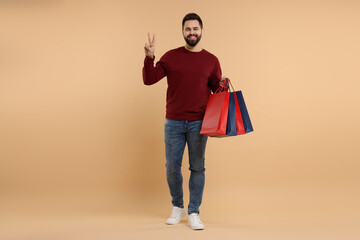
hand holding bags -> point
(226, 114)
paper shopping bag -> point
(216, 114)
(234, 122)
(238, 117)
(244, 113)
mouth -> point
(192, 37)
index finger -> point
(153, 42)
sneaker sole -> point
(198, 228)
(169, 223)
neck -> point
(196, 48)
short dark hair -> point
(192, 16)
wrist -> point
(150, 56)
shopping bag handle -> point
(223, 86)
(231, 85)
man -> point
(192, 73)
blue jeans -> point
(177, 134)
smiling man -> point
(192, 73)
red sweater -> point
(190, 75)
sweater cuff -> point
(149, 59)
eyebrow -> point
(190, 27)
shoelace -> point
(196, 219)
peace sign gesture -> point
(150, 47)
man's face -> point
(192, 32)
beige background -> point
(82, 153)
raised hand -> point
(150, 47)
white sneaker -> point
(176, 215)
(194, 222)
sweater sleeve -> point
(153, 74)
(215, 77)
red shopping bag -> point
(240, 129)
(216, 114)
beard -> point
(191, 42)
